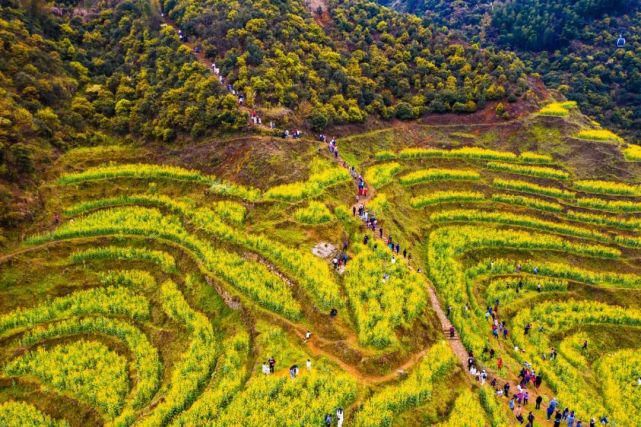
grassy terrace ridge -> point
(186, 293)
(466, 153)
(438, 174)
(150, 171)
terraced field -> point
(150, 293)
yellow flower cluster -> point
(227, 382)
(439, 197)
(194, 368)
(414, 391)
(473, 153)
(632, 153)
(431, 175)
(314, 213)
(383, 295)
(529, 187)
(507, 218)
(599, 135)
(608, 187)
(146, 360)
(381, 174)
(558, 109)
(271, 400)
(537, 171)
(609, 205)
(14, 413)
(313, 187)
(161, 258)
(528, 202)
(87, 370)
(467, 409)
(250, 277)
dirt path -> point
(208, 63)
(455, 342)
(322, 19)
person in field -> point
(272, 364)
(339, 417)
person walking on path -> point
(272, 364)
(538, 401)
(339, 417)
(551, 407)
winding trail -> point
(455, 343)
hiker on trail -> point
(538, 380)
(530, 419)
(506, 389)
(470, 363)
(552, 407)
(538, 288)
(495, 331)
(393, 261)
(538, 401)
(526, 397)
(604, 420)
(404, 253)
(592, 422)
(570, 419)
(451, 331)
(511, 403)
(328, 420)
(398, 248)
(505, 331)
(272, 364)
(366, 240)
(293, 371)
(557, 419)
(519, 415)
(585, 345)
(499, 363)
(365, 191)
(353, 210)
(308, 336)
(265, 368)
(380, 232)
(339, 417)
(483, 376)
(336, 153)
(527, 328)
(492, 353)
(449, 310)
(335, 263)
(308, 365)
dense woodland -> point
(72, 76)
(572, 44)
(367, 60)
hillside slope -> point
(573, 45)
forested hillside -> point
(572, 44)
(72, 76)
(366, 60)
